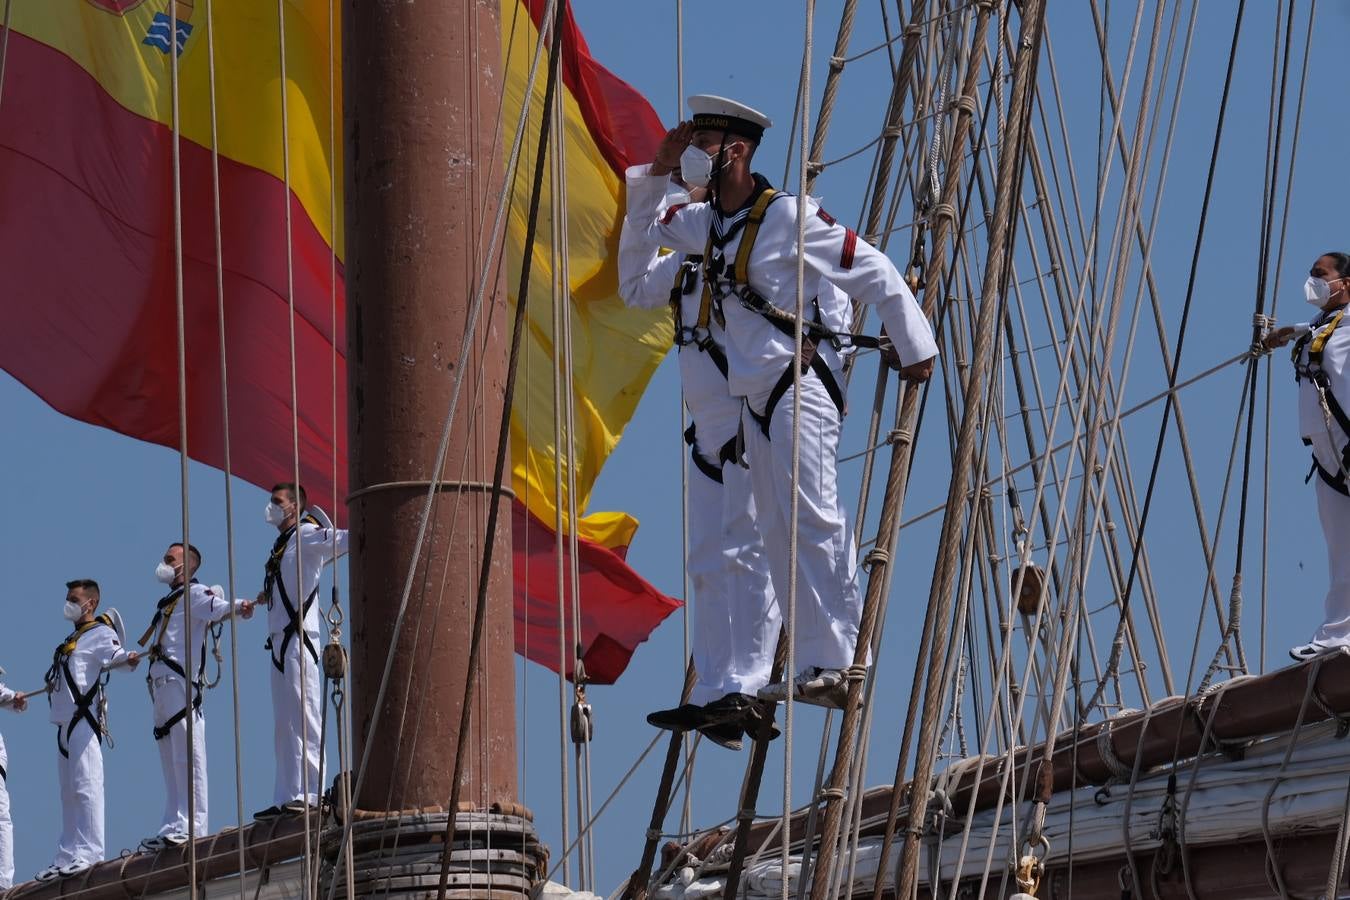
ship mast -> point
(422, 87)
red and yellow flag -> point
(87, 316)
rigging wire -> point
(225, 431)
(1180, 345)
(180, 314)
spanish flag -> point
(87, 251)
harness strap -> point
(811, 361)
(4, 776)
(84, 703)
(711, 471)
(294, 618)
(294, 625)
(740, 270)
(162, 731)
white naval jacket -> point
(95, 650)
(757, 352)
(1326, 439)
(318, 546)
(208, 606)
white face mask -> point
(1317, 291)
(696, 167)
(164, 573)
(274, 515)
(73, 611)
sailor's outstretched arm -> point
(863, 272)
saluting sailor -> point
(18, 703)
(747, 235)
(1321, 358)
(75, 683)
(736, 620)
(167, 677)
(293, 632)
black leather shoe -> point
(727, 734)
(687, 717)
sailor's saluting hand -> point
(670, 149)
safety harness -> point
(1316, 342)
(737, 282)
(164, 611)
(84, 700)
(294, 618)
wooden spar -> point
(147, 874)
(422, 83)
(1251, 708)
(1232, 870)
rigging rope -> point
(1180, 346)
(225, 431)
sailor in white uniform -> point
(736, 620)
(167, 678)
(1322, 369)
(747, 235)
(292, 642)
(15, 701)
(75, 682)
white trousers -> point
(81, 777)
(736, 619)
(829, 601)
(6, 827)
(297, 723)
(169, 698)
(1333, 509)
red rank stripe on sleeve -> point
(850, 245)
(824, 216)
(671, 211)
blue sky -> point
(84, 502)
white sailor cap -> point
(721, 114)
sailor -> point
(169, 686)
(75, 684)
(736, 620)
(747, 235)
(18, 703)
(306, 542)
(1321, 357)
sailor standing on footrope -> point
(736, 620)
(17, 702)
(168, 682)
(75, 684)
(293, 632)
(1322, 370)
(747, 235)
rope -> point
(804, 92)
(181, 350)
(503, 443)
(225, 432)
(4, 46)
(1181, 335)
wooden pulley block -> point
(334, 661)
(1033, 588)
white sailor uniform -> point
(760, 357)
(7, 698)
(76, 673)
(736, 619)
(293, 636)
(1322, 355)
(168, 681)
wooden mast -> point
(421, 93)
